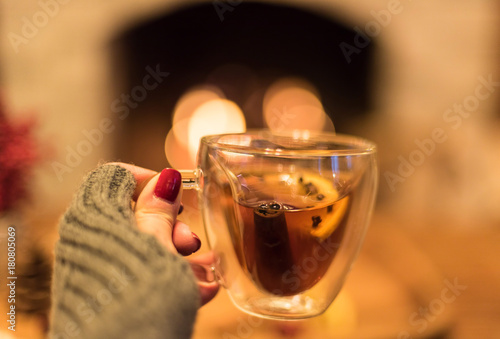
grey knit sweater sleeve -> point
(111, 280)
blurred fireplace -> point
(254, 45)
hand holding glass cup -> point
(285, 215)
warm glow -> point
(177, 142)
(328, 125)
(176, 151)
(291, 104)
(188, 104)
(214, 117)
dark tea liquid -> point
(286, 250)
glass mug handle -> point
(203, 273)
(190, 179)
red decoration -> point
(18, 155)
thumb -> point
(157, 206)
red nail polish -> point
(198, 241)
(168, 185)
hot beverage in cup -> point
(285, 246)
(285, 215)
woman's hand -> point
(157, 199)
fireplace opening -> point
(240, 57)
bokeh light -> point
(214, 117)
(187, 105)
(294, 103)
(176, 151)
(201, 111)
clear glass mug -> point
(285, 215)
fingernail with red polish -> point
(168, 185)
(198, 241)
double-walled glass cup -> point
(285, 215)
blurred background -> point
(84, 82)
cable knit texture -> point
(111, 280)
